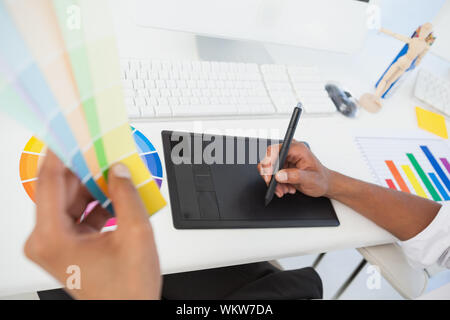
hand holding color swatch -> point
(60, 77)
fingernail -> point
(282, 176)
(265, 161)
(120, 170)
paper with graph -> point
(420, 166)
(60, 77)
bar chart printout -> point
(412, 165)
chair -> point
(409, 282)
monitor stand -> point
(216, 49)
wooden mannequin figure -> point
(418, 47)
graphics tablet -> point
(214, 183)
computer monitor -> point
(442, 31)
(335, 25)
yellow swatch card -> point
(431, 122)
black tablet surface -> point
(214, 183)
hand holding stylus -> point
(302, 171)
(401, 213)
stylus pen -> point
(283, 152)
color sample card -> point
(15, 103)
(60, 74)
(23, 90)
(431, 122)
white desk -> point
(183, 250)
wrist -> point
(333, 184)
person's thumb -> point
(127, 204)
(290, 176)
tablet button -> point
(186, 192)
(201, 169)
(204, 183)
(208, 205)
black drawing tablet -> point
(229, 193)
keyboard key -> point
(133, 111)
(163, 111)
(160, 84)
(143, 92)
(163, 102)
(197, 93)
(146, 64)
(181, 84)
(152, 101)
(186, 93)
(153, 75)
(165, 93)
(205, 101)
(138, 84)
(194, 101)
(164, 75)
(142, 74)
(150, 84)
(130, 74)
(135, 64)
(174, 101)
(147, 112)
(171, 84)
(155, 93)
(211, 85)
(124, 64)
(140, 102)
(156, 65)
(191, 84)
(185, 100)
(176, 92)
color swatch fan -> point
(60, 77)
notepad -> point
(431, 122)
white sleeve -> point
(431, 245)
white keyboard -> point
(433, 90)
(176, 89)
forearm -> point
(394, 35)
(402, 214)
